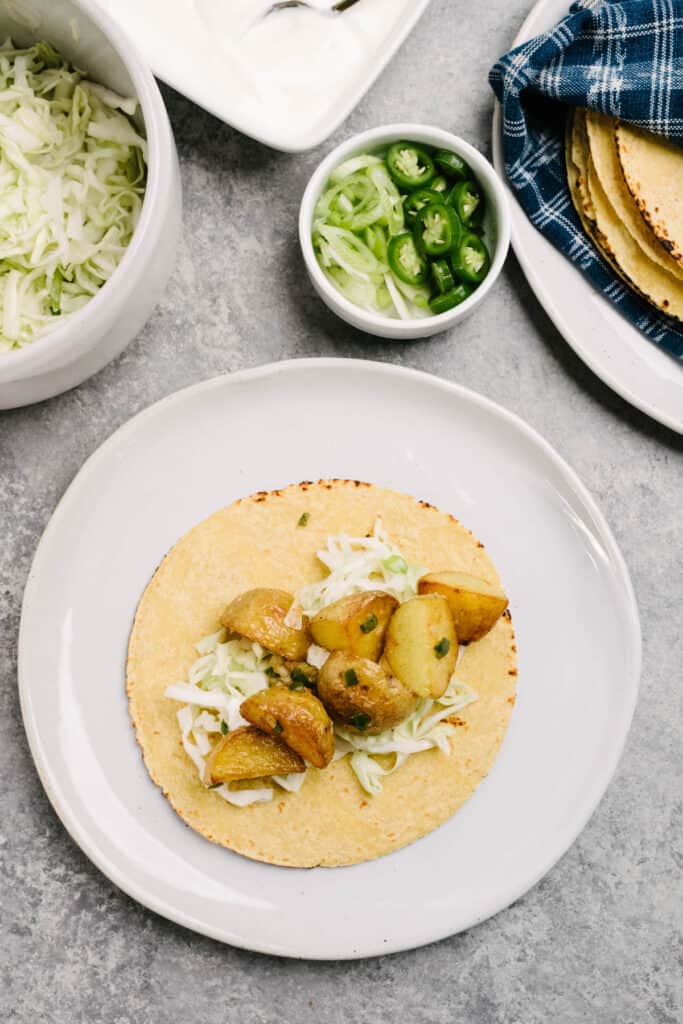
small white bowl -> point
(496, 229)
(81, 346)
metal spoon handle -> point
(282, 5)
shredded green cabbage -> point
(72, 180)
(228, 671)
(357, 564)
(425, 729)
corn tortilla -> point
(653, 172)
(576, 156)
(658, 286)
(600, 205)
(256, 542)
(577, 161)
(602, 142)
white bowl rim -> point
(36, 353)
(430, 135)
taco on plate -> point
(321, 674)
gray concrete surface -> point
(598, 939)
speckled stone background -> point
(598, 940)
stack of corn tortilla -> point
(627, 187)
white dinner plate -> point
(288, 80)
(620, 355)
(169, 467)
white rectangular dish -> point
(289, 80)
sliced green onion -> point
(395, 563)
(300, 678)
(417, 295)
(349, 251)
(353, 165)
(361, 292)
(397, 298)
(376, 240)
(390, 199)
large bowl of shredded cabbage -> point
(89, 197)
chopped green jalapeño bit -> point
(369, 624)
(360, 721)
(300, 677)
(405, 261)
(278, 727)
(395, 564)
(224, 727)
(409, 165)
(442, 648)
(350, 678)
(303, 519)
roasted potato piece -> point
(297, 718)
(356, 624)
(260, 615)
(421, 647)
(475, 605)
(247, 753)
(361, 696)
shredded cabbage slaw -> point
(228, 671)
(356, 565)
(72, 180)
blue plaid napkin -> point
(620, 57)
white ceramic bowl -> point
(85, 343)
(496, 229)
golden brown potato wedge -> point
(247, 753)
(475, 605)
(361, 696)
(296, 717)
(356, 624)
(421, 646)
(259, 615)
